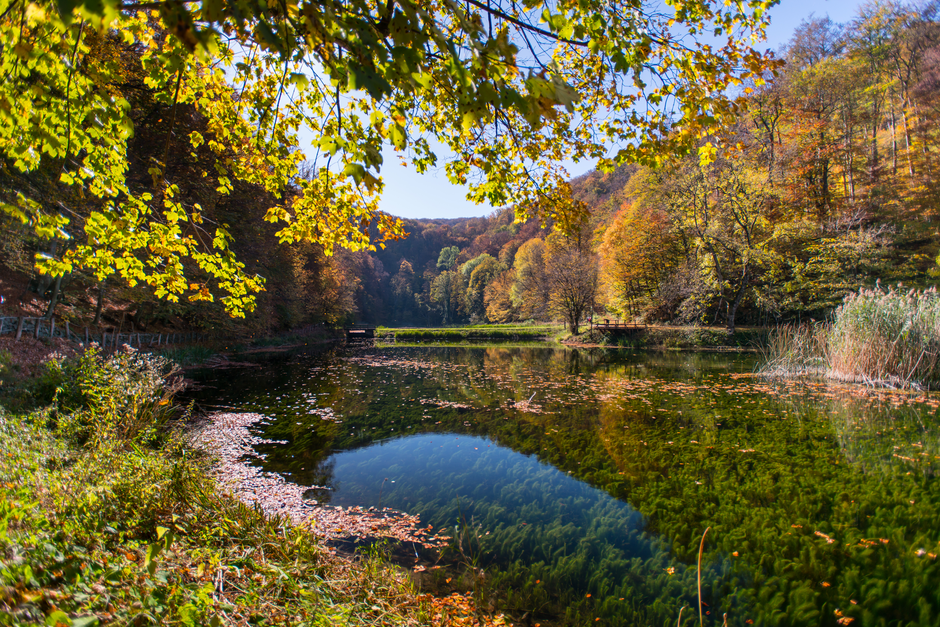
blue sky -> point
(411, 195)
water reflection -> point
(594, 474)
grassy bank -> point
(672, 338)
(483, 332)
(108, 516)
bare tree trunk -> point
(907, 141)
(894, 139)
(99, 304)
(56, 289)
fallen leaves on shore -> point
(227, 437)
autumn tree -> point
(724, 210)
(357, 77)
(529, 293)
(638, 250)
(483, 273)
(572, 279)
(497, 298)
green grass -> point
(503, 332)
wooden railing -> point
(106, 338)
(606, 324)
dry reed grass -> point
(877, 337)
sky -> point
(412, 195)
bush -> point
(124, 397)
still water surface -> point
(578, 484)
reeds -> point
(796, 350)
(878, 337)
(887, 337)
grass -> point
(795, 350)
(888, 336)
(502, 332)
(108, 516)
(879, 337)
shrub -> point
(126, 396)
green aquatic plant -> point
(617, 464)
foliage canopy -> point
(510, 89)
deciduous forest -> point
(817, 176)
(215, 168)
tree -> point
(499, 307)
(448, 258)
(529, 293)
(724, 210)
(358, 76)
(403, 290)
(638, 249)
(481, 276)
(571, 275)
(447, 291)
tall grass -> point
(888, 337)
(879, 337)
(796, 350)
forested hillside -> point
(826, 181)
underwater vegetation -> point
(577, 484)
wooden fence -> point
(106, 339)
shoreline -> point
(227, 437)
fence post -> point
(86, 336)
(52, 329)
(19, 328)
(68, 334)
(36, 328)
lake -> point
(577, 484)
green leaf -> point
(369, 80)
(398, 137)
(150, 561)
(58, 618)
(354, 171)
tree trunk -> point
(54, 300)
(99, 304)
(894, 139)
(907, 140)
(733, 306)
